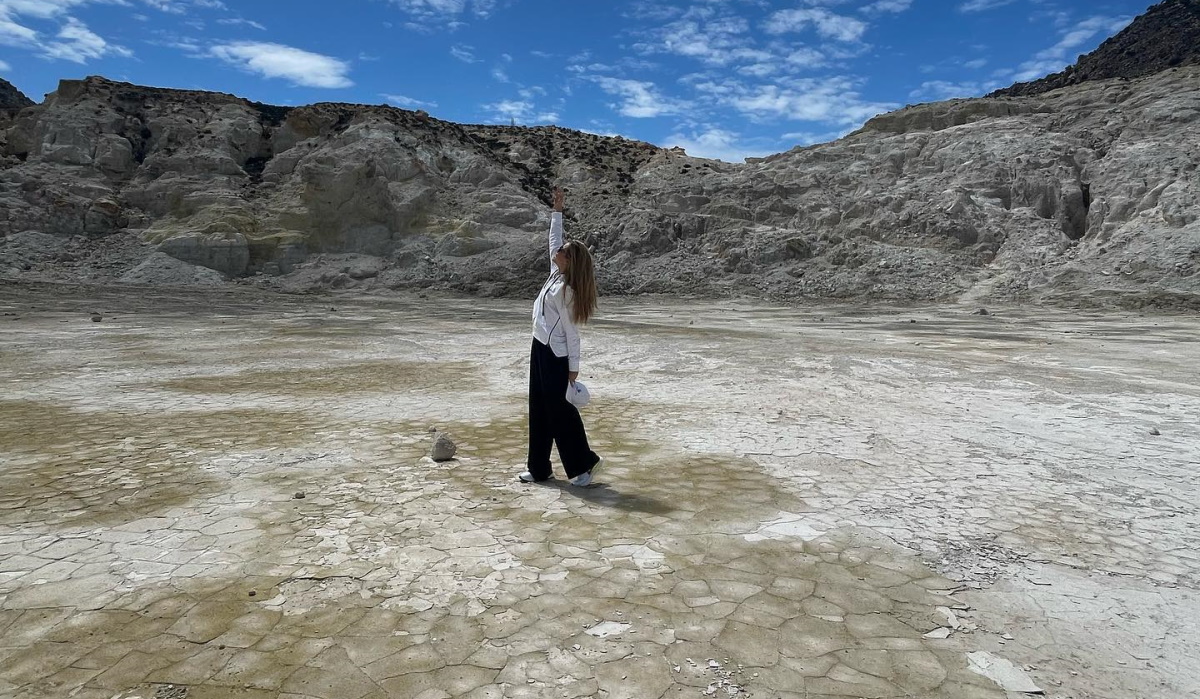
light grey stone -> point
(1010, 677)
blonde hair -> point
(581, 277)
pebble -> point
(299, 496)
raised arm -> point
(556, 225)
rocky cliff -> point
(1166, 36)
(12, 99)
(1087, 194)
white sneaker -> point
(585, 478)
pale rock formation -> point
(160, 269)
(1086, 194)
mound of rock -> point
(160, 269)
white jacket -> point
(552, 323)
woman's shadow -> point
(605, 495)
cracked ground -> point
(212, 494)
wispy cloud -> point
(827, 24)
(73, 41)
(463, 53)
(519, 112)
(178, 7)
(639, 99)
(1055, 58)
(701, 34)
(297, 66)
(805, 57)
(937, 90)
(975, 64)
(4, 67)
(76, 43)
(408, 102)
(500, 71)
(835, 100)
(808, 138)
(443, 12)
(14, 34)
(881, 6)
(240, 22)
(717, 143)
(982, 5)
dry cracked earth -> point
(230, 495)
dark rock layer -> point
(1166, 36)
(11, 98)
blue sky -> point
(722, 78)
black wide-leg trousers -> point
(552, 419)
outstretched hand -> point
(557, 199)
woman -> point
(567, 299)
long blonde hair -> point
(581, 277)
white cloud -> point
(701, 33)
(445, 12)
(759, 70)
(463, 53)
(13, 34)
(1033, 70)
(832, 100)
(519, 112)
(805, 57)
(1086, 30)
(408, 102)
(715, 143)
(937, 90)
(827, 24)
(72, 40)
(166, 6)
(4, 67)
(179, 7)
(1055, 58)
(975, 64)
(39, 9)
(982, 5)
(881, 6)
(640, 99)
(511, 108)
(297, 66)
(77, 43)
(808, 138)
(241, 22)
